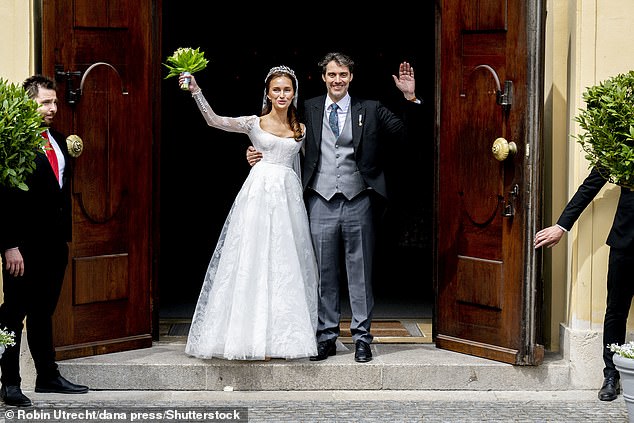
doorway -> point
(202, 166)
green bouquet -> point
(185, 60)
(608, 122)
(21, 126)
(7, 338)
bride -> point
(259, 295)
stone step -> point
(165, 366)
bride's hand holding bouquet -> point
(186, 61)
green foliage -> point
(608, 122)
(185, 59)
(7, 338)
(21, 126)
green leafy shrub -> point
(608, 122)
(21, 126)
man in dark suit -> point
(343, 174)
(620, 289)
(35, 228)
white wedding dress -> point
(259, 296)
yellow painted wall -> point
(588, 41)
(555, 149)
(606, 30)
(16, 34)
(16, 47)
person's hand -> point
(253, 155)
(405, 81)
(14, 262)
(193, 86)
(548, 237)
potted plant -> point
(21, 126)
(624, 363)
(608, 122)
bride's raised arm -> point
(242, 124)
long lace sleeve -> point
(242, 124)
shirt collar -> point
(343, 104)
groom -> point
(345, 192)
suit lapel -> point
(317, 114)
(357, 116)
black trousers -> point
(34, 296)
(620, 294)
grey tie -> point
(334, 119)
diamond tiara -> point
(282, 68)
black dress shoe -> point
(12, 395)
(58, 385)
(362, 352)
(325, 349)
(610, 389)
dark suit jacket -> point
(43, 212)
(374, 126)
(622, 232)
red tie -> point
(52, 157)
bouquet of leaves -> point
(608, 122)
(7, 338)
(21, 126)
(185, 60)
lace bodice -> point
(274, 149)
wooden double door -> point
(144, 178)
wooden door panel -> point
(98, 187)
(480, 184)
(481, 292)
(101, 13)
(488, 292)
(103, 278)
(483, 15)
(103, 90)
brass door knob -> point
(75, 145)
(502, 149)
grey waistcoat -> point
(337, 170)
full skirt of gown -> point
(259, 295)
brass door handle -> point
(502, 149)
(75, 145)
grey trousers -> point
(343, 233)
